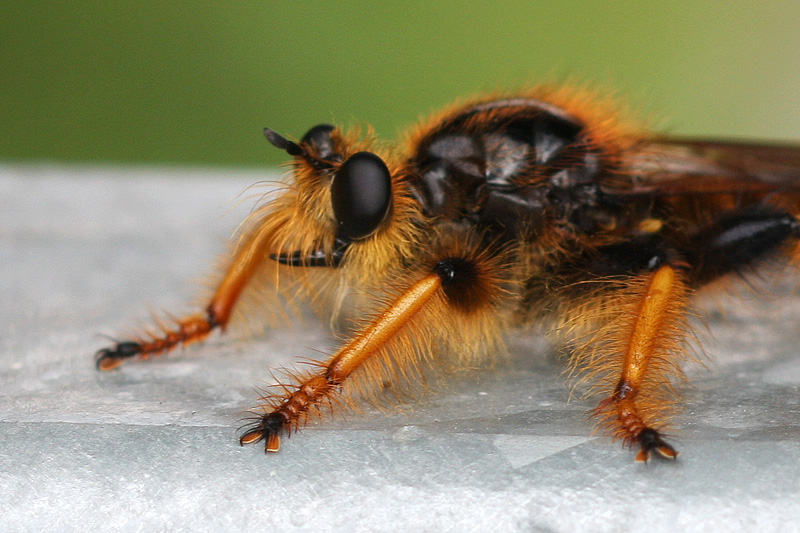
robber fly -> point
(539, 207)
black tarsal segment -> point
(651, 440)
(121, 350)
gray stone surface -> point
(152, 447)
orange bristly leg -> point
(324, 384)
(649, 339)
(197, 327)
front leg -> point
(247, 261)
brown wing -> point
(667, 167)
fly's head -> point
(348, 205)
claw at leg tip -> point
(108, 363)
(667, 452)
(273, 443)
(250, 437)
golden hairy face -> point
(348, 204)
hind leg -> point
(639, 348)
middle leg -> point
(453, 305)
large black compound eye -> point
(361, 194)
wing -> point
(668, 167)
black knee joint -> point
(465, 283)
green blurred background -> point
(153, 82)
